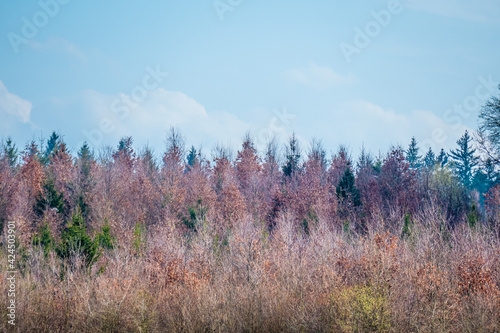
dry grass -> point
(247, 280)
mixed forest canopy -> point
(282, 240)
(46, 184)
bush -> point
(44, 239)
(75, 241)
(362, 309)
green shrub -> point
(76, 242)
(44, 239)
(190, 222)
(49, 198)
(362, 309)
(473, 216)
(407, 226)
(139, 241)
(104, 237)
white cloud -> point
(14, 105)
(59, 45)
(477, 11)
(146, 121)
(318, 76)
(363, 123)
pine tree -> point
(430, 159)
(491, 174)
(365, 160)
(192, 158)
(10, 152)
(85, 153)
(292, 151)
(52, 146)
(442, 158)
(50, 198)
(86, 157)
(485, 178)
(464, 159)
(84, 164)
(412, 154)
(480, 182)
(125, 153)
(346, 189)
(125, 146)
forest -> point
(287, 239)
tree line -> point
(44, 184)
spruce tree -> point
(365, 160)
(84, 164)
(464, 159)
(52, 146)
(491, 173)
(192, 158)
(442, 158)
(430, 159)
(346, 189)
(10, 152)
(412, 154)
(292, 157)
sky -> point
(357, 73)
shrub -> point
(44, 239)
(75, 241)
(362, 309)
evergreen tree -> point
(365, 160)
(85, 153)
(292, 152)
(377, 164)
(10, 152)
(52, 146)
(84, 164)
(346, 189)
(491, 174)
(412, 154)
(125, 153)
(192, 158)
(50, 198)
(480, 182)
(485, 178)
(86, 157)
(430, 159)
(442, 158)
(464, 159)
(125, 145)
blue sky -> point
(97, 71)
